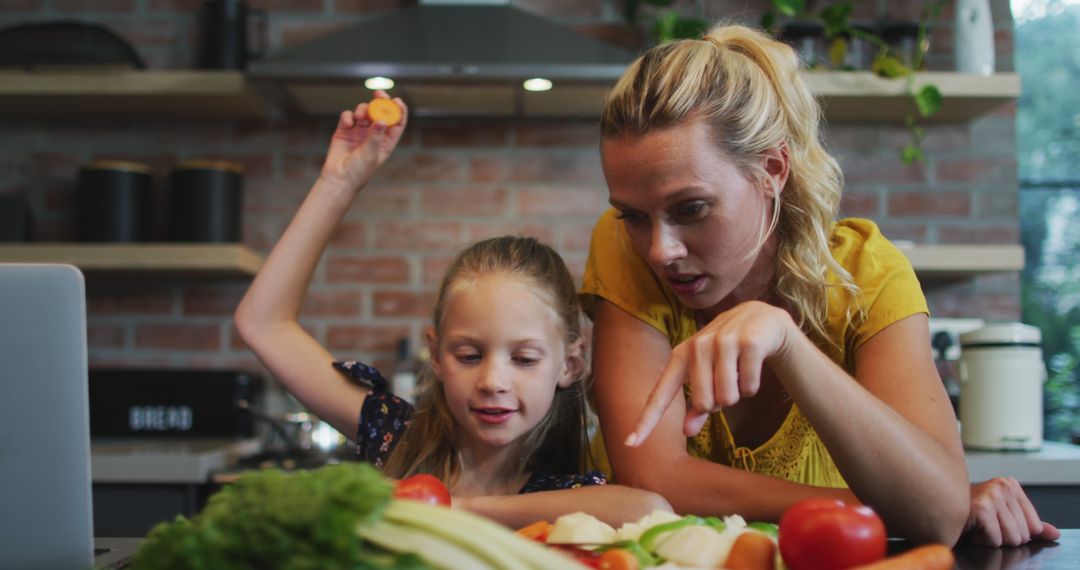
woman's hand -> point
(721, 363)
(359, 146)
(1002, 515)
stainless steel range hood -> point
(449, 60)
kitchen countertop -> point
(1055, 464)
(125, 460)
(1061, 555)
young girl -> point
(500, 415)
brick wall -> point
(451, 182)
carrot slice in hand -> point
(384, 110)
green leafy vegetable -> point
(272, 520)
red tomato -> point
(424, 488)
(826, 534)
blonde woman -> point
(500, 417)
(800, 342)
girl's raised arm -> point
(267, 317)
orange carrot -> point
(384, 110)
(752, 550)
(618, 559)
(537, 531)
(928, 557)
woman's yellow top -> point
(889, 292)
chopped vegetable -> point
(632, 531)
(764, 527)
(644, 557)
(580, 528)
(752, 551)
(697, 546)
(649, 537)
(537, 531)
(618, 559)
(341, 516)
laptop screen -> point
(47, 518)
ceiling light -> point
(375, 83)
(537, 84)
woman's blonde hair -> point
(746, 87)
(558, 443)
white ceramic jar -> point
(974, 37)
(1001, 387)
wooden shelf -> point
(111, 94)
(846, 97)
(194, 94)
(864, 97)
(952, 262)
(203, 260)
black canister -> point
(223, 37)
(205, 201)
(14, 218)
(113, 202)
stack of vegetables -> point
(341, 516)
(816, 534)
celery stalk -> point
(433, 549)
(486, 538)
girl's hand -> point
(1002, 515)
(721, 363)
(359, 146)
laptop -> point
(45, 492)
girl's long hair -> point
(746, 86)
(558, 443)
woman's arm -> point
(267, 315)
(613, 504)
(891, 433)
(629, 356)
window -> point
(1047, 52)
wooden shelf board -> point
(865, 97)
(944, 262)
(226, 260)
(171, 94)
(125, 93)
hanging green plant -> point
(668, 24)
(838, 31)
